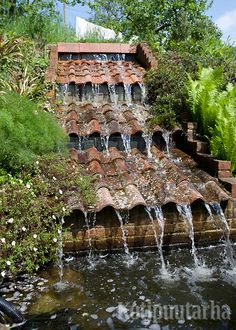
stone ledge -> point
(230, 184)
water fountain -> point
(125, 244)
(148, 140)
(90, 247)
(167, 137)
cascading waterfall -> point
(87, 223)
(226, 232)
(167, 137)
(127, 143)
(160, 219)
(126, 248)
(95, 89)
(105, 142)
(186, 213)
(148, 140)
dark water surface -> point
(114, 292)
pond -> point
(118, 291)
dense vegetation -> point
(213, 106)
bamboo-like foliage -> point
(214, 108)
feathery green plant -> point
(214, 109)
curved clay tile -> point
(107, 107)
(74, 153)
(74, 203)
(157, 128)
(73, 128)
(73, 115)
(95, 167)
(135, 127)
(114, 154)
(104, 199)
(114, 127)
(82, 157)
(90, 115)
(189, 195)
(120, 165)
(93, 154)
(134, 196)
(215, 193)
(93, 127)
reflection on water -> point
(112, 295)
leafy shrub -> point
(26, 132)
(166, 89)
(214, 108)
(31, 206)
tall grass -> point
(43, 29)
(214, 108)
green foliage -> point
(30, 208)
(213, 106)
(43, 29)
(166, 89)
(26, 132)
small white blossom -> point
(56, 197)
(37, 162)
(35, 236)
(3, 240)
(28, 185)
(23, 228)
(8, 263)
(63, 209)
(13, 243)
(10, 220)
(59, 231)
(54, 217)
(54, 178)
(3, 273)
(35, 249)
(54, 240)
(60, 192)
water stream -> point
(126, 248)
(112, 93)
(105, 142)
(226, 232)
(90, 247)
(148, 140)
(186, 213)
(60, 249)
(167, 135)
(126, 139)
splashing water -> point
(226, 232)
(148, 141)
(127, 143)
(95, 89)
(186, 213)
(167, 137)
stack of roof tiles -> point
(123, 180)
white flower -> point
(3, 273)
(13, 243)
(3, 240)
(8, 263)
(28, 185)
(23, 228)
(63, 209)
(35, 249)
(59, 231)
(54, 217)
(10, 220)
(54, 240)
(35, 236)
(37, 162)
(54, 178)
(60, 192)
(56, 197)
